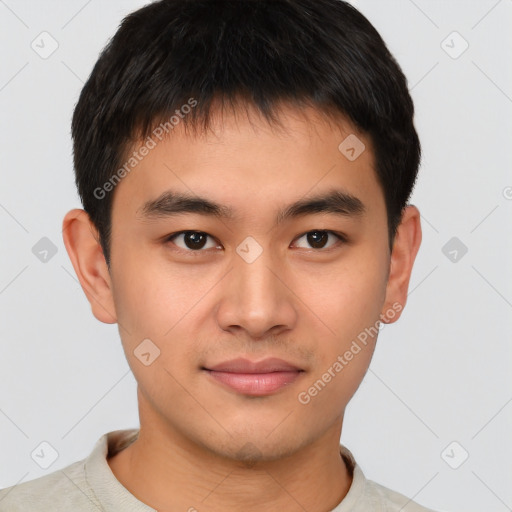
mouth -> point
(254, 378)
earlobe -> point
(405, 248)
(82, 244)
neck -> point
(168, 471)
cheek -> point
(346, 298)
(149, 298)
(350, 308)
(152, 305)
(160, 302)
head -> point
(278, 135)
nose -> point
(256, 298)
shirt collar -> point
(112, 495)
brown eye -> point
(191, 241)
(318, 239)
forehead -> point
(247, 164)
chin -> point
(249, 447)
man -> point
(244, 168)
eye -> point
(319, 238)
(192, 241)
(195, 241)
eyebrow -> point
(172, 203)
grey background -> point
(439, 375)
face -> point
(255, 280)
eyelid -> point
(342, 238)
(168, 239)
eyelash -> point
(342, 239)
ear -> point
(405, 247)
(82, 244)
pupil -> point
(315, 239)
(195, 238)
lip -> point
(255, 378)
(241, 365)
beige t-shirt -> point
(90, 486)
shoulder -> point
(64, 489)
(365, 495)
(387, 500)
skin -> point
(203, 446)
